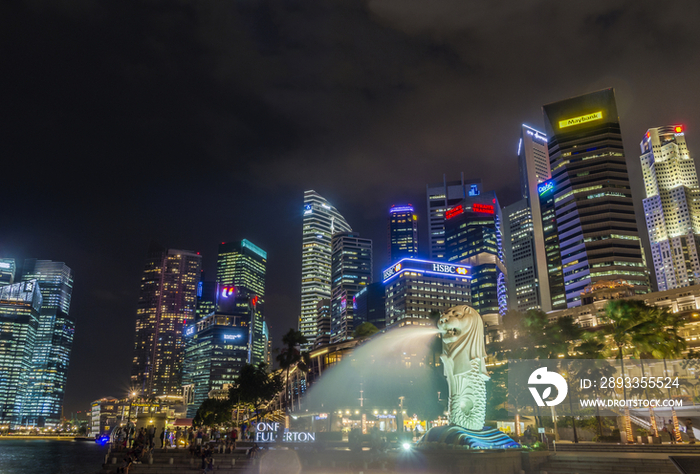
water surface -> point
(47, 456)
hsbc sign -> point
(426, 266)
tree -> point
(365, 331)
(643, 328)
(290, 355)
(255, 386)
(213, 411)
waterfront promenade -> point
(590, 459)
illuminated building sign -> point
(428, 267)
(394, 209)
(678, 129)
(228, 291)
(545, 187)
(189, 331)
(453, 212)
(254, 301)
(485, 208)
(579, 120)
(343, 304)
(4, 265)
(308, 209)
(270, 432)
(474, 190)
(232, 337)
(537, 135)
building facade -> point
(671, 207)
(20, 312)
(402, 239)
(474, 237)
(167, 303)
(528, 280)
(596, 224)
(351, 271)
(415, 288)
(441, 197)
(7, 271)
(370, 305)
(320, 222)
(216, 348)
(323, 323)
(243, 266)
(54, 341)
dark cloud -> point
(193, 123)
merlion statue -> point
(463, 359)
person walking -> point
(162, 438)
(689, 431)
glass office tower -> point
(320, 222)
(54, 342)
(20, 311)
(402, 239)
(596, 224)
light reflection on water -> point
(45, 456)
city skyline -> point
(140, 157)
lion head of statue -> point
(462, 331)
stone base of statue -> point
(453, 435)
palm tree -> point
(631, 323)
(290, 355)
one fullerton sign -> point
(579, 120)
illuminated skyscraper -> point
(167, 302)
(244, 265)
(671, 207)
(403, 233)
(595, 220)
(441, 197)
(528, 280)
(7, 271)
(54, 342)
(351, 271)
(20, 306)
(474, 237)
(320, 222)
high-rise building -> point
(596, 224)
(351, 271)
(526, 261)
(7, 271)
(370, 305)
(320, 222)
(441, 197)
(671, 207)
(217, 347)
(555, 273)
(474, 237)
(20, 307)
(415, 288)
(207, 298)
(54, 341)
(402, 239)
(167, 302)
(243, 265)
(323, 323)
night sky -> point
(195, 122)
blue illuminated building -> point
(415, 287)
(403, 233)
(54, 342)
(20, 307)
(216, 348)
